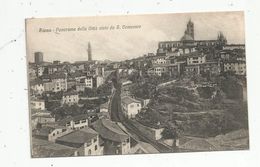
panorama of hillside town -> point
(189, 95)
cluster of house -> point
(82, 133)
(91, 133)
(190, 56)
(87, 134)
(78, 132)
(198, 63)
(87, 137)
(71, 79)
(61, 77)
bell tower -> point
(89, 52)
(190, 29)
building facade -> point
(70, 98)
(130, 106)
(86, 141)
(37, 104)
(37, 87)
(238, 67)
(196, 59)
(188, 42)
(89, 82)
(76, 122)
(116, 141)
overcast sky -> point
(125, 44)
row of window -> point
(159, 69)
(230, 67)
(179, 44)
(169, 45)
(71, 100)
(195, 62)
(191, 69)
(78, 122)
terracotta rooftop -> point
(44, 131)
(79, 136)
(58, 75)
(110, 130)
(44, 148)
(69, 93)
(129, 100)
(105, 105)
(194, 54)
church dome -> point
(187, 37)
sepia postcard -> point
(137, 84)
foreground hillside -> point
(195, 109)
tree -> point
(52, 105)
(134, 76)
(38, 125)
(172, 131)
(183, 93)
(104, 89)
(165, 77)
(230, 86)
(205, 92)
(57, 95)
(89, 92)
(219, 97)
(149, 118)
(141, 90)
(66, 111)
(197, 78)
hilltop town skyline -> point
(131, 43)
(185, 95)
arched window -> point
(89, 152)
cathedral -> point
(188, 44)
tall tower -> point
(38, 57)
(89, 52)
(190, 29)
(221, 38)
